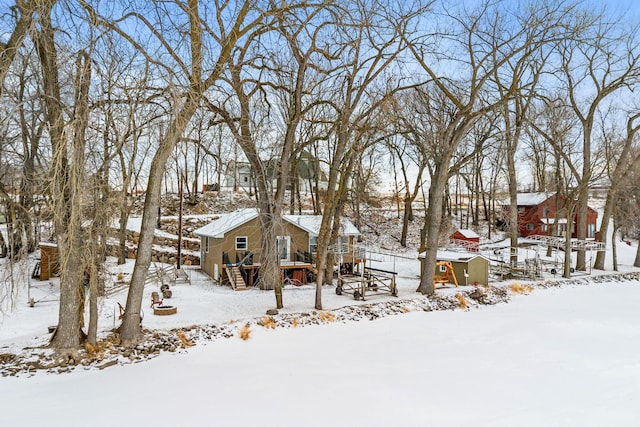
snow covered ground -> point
(559, 357)
(564, 356)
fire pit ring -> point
(165, 310)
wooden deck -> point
(284, 265)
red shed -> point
(467, 238)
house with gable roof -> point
(538, 212)
(233, 242)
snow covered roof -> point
(531, 199)
(470, 234)
(311, 224)
(454, 256)
(226, 223)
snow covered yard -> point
(564, 356)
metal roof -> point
(309, 223)
(226, 223)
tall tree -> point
(622, 158)
(479, 43)
(602, 59)
(67, 171)
(225, 24)
(371, 37)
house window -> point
(242, 243)
(545, 212)
(520, 208)
(313, 244)
(529, 227)
(283, 246)
(442, 268)
(545, 228)
(206, 245)
(591, 231)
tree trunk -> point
(67, 183)
(607, 214)
(567, 255)
(433, 221)
(405, 221)
(3, 247)
(513, 213)
(581, 232)
(614, 247)
(130, 330)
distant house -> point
(468, 239)
(240, 175)
(235, 240)
(469, 268)
(537, 212)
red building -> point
(466, 238)
(537, 213)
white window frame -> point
(243, 246)
(206, 245)
(313, 244)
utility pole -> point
(180, 222)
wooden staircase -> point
(235, 277)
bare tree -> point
(479, 43)
(232, 25)
(372, 38)
(288, 79)
(622, 158)
(67, 171)
(23, 13)
(408, 149)
(557, 125)
(601, 60)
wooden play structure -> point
(444, 274)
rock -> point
(272, 312)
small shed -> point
(474, 265)
(466, 238)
